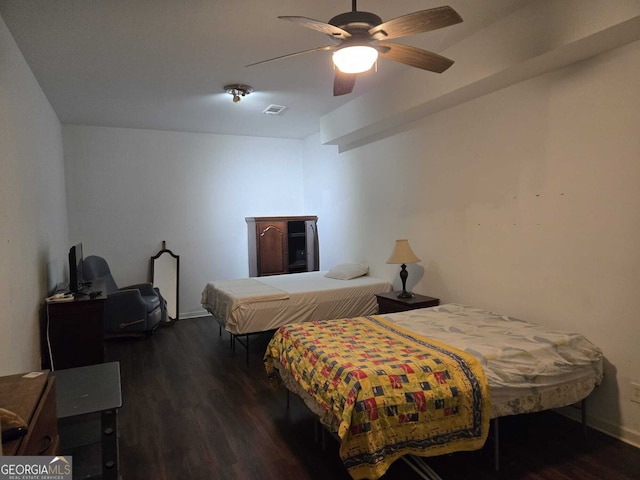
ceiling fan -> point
(360, 37)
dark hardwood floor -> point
(193, 409)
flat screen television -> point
(76, 275)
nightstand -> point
(389, 302)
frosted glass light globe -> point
(355, 59)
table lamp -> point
(402, 254)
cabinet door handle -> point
(49, 443)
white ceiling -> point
(162, 64)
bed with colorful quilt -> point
(427, 382)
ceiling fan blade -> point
(319, 26)
(414, 57)
(417, 22)
(343, 83)
(317, 49)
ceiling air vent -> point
(274, 109)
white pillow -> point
(347, 271)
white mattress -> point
(297, 297)
(529, 367)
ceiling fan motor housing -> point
(358, 25)
(355, 20)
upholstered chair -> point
(132, 310)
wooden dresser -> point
(34, 400)
(280, 245)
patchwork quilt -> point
(391, 392)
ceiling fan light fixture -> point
(355, 58)
(238, 90)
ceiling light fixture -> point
(355, 58)
(238, 90)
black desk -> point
(87, 402)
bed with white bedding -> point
(526, 368)
(253, 305)
(529, 367)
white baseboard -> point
(623, 434)
(198, 314)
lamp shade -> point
(355, 59)
(402, 253)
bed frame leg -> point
(317, 426)
(496, 445)
(421, 467)
(583, 417)
(315, 430)
(288, 399)
(246, 339)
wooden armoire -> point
(280, 245)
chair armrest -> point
(126, 294)
(123, 308)
(144, 288)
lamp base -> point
(403, 276)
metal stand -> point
(421, 467)
(244, 343)
(88, 399)
(496, 445)
(582, 406)
(416, 463)
(243, 340)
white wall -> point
(33, 223)
(128, 190)
(321, 171)
(524, 201)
